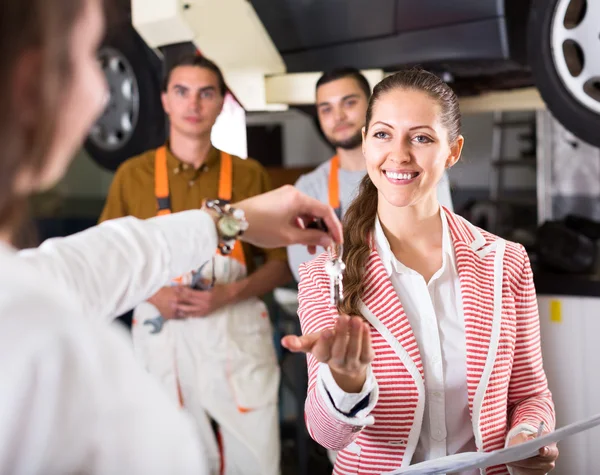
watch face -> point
(229, 227)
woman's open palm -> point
(345, 347)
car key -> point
(335, 270)
(318, 224)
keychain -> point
(335, 269)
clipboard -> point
(471, 460)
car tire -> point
(133, 120)
(554, 67)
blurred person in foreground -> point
(72, 398)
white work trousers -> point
(224, 368)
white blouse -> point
(434, 310)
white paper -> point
(471, 460)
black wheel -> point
(564, 54)
(133, 121)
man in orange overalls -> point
(214, 354)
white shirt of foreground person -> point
(72, 397)
(434, 310)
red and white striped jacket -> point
(506, 381)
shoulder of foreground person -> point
(109, 269)
(67, 382)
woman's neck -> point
(415, 234)
(416, 226)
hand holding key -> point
(346, 348)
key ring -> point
(336, 250)
(319, 224)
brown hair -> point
(198, 62)
(359, 220)
(43, 27)
(348, 72)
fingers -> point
(549, 453)
(322, 349)
(300, 344)
(318, 344)
(528, 471)
(292, 343)
(187, 310)
(171, 307)
(338, 350)
(367, 354)
(533, 466)
(310, 237)
(312, 207)
(354, 350)
(542, 464)
(188, 295)
(346, 347)
(534, 462)
(301, 222)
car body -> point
(475, 45)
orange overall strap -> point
(334, 185)
(225, 177)
(161, 182)
(225, 194)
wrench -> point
(156, 322)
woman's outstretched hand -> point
(346, 348)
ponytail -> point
(359, 222)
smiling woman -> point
(443, 351)
(412, 135)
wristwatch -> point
(230, 225)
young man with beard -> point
(342, 96)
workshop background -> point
(528, 76)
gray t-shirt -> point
(316, 185)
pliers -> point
(156, 322)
